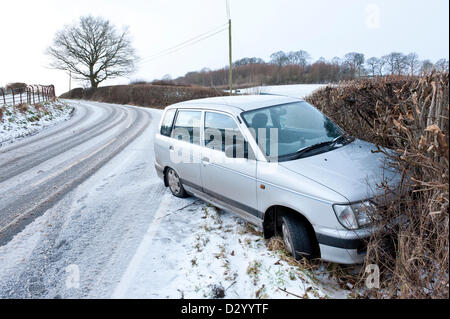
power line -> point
(186, 43)
(182, 47)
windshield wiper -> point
(340, 137)
(331, 143)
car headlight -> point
(354, 216)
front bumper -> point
(342, 255)
(343, 246)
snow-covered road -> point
(83, 215)
(38, 171)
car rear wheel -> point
(296, 237)
(175, 186)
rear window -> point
(166, 125)
(187, 126)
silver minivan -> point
(278, 163)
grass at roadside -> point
(24, 119)
(230, 258)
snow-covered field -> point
(15, 124)
(294, 90)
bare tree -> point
(300, 58)
(376, 65)
(388, 63)
(246, 61)
(400, 63)
(355, 61)
(442, 65)
(279, 58)
(93, 50)
(396, 62)
(286, 68)
(336, 60)
(380, 66)
(373, 64)
(412, 61)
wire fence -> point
(30, 94)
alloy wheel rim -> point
(174, 182)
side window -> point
(221, 132)
(166, 125)
(187, 126)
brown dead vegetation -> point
(156, 96)
(22, 108)
(409, 115)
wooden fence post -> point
(3, 94)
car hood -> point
(353, 170)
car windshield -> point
(285, 130)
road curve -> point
(38, 171)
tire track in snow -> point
(23, 163)
(129, 275)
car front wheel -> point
(296, 237)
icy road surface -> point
(83, 215)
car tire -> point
(174, 183)
(297, 237)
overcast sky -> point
(324, 28)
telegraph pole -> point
(230, 49)
(231, 59)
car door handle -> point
(205, 160)
(171, 148)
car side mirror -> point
(237, 151)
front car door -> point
(231, 180)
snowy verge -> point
(202, 252)
(24, 120)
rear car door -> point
(163, 140)
(231, 180)
(185, 149)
